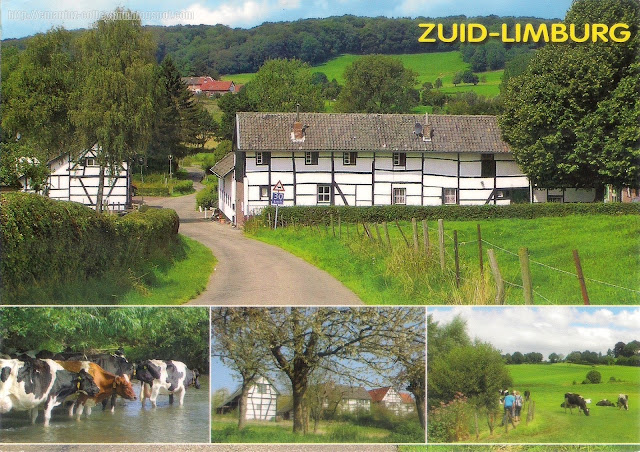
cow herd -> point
(572, 400)
(29, 383)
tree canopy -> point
(377, 84)
(572, 118)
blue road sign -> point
(277, 198)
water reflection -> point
(129, 424)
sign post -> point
(277, 199)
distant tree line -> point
(622, 354)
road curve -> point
(250, 272)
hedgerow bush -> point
(46, 242)
(321, 214)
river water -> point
(130, 423)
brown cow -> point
(106, 381)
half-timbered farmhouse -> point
(76, 179)
(347, 399)
(397, 402)
(372, 159)
(261, 401)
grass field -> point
(548, 383)
(429, 67)
(608, 246)
(224, 429)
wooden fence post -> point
(339, 227)
(402, 234)
(493, 262)
(347, 226)
(523, 253)
(480, 254)
(583, 286)
(455, 253)
(414, 224)
(333, 229)
(425, 236)
(386, 234)
(441, 239)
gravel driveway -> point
(250, 272)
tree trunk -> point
(242, 407)
(299, 388)
(100, 190)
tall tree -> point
(115, 99)
(377, 84)
(281, 84)
(572, 118)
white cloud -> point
(548, 329)
(244, 13)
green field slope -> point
(549, 382)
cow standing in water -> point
(167, 377)
(107, 382)
(26, 384)
(572, 400)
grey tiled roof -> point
(351, 392)
(369, 132)
(224, 166)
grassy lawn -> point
(378, 276)
(429, 67)
(224, 429)
(165, 280)
(549, 382)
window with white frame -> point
(311, 158)
(399, 159)
(90, 161)
(449, 195)
(264, 192)
(399, 196)
(349, 158)
(324, 194)
(262, 158)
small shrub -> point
(450, 421)
(594, 377)
(183, 186)
(613, 379)
(574, 382)
(207, 197)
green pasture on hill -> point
(607, 245)
(548, 383)
(429, 67)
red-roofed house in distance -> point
(194, 84)
(213, 87)
(400, 403)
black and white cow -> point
(165, 377)
(623, 401)
(605, 402)
(572, 400)
(527, 395)
(27, 384)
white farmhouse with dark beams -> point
(361, 159)
(76, 179)
(261, 401)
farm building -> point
(397, 402)
(347, 399)
(76, 179)
(360, 159)
(261, 401)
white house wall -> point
(262, 406)
(372, 179)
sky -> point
(26, 17)
(547, 329)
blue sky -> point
(547, 329)
(25, 17)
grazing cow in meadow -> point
(623, 401)
(572, 400)
(107, 382)
(527, 395)
(605, 402)
(26, 384)
(167, 377)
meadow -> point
(429, 67)
(224, 429)
(610, 260)
(548, 383)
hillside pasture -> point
(548, 383)
(429, 67)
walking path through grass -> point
(249, 272)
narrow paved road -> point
(250, 272)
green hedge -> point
(321, 214)
(55, 242)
